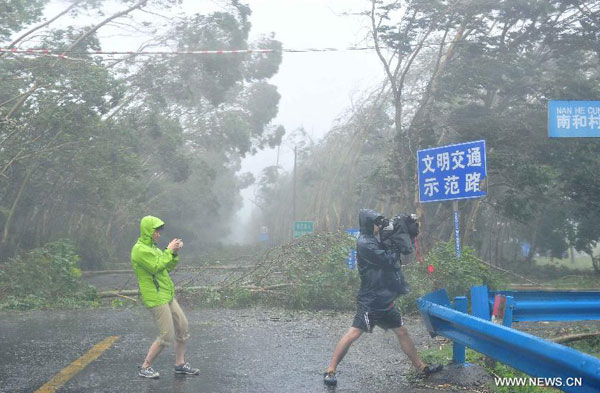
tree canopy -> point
(90, 144)
(458, 71)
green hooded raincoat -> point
(152, 265)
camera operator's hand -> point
(412, 225)
(175, 245)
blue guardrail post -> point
(458, 350)
(508, 311)
(480, 306)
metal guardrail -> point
(540, 305)
(530, 354)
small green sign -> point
(302, 228)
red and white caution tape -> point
(44, 51)
(188, 52)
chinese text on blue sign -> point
(573, 119)
(452, 172)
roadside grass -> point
(578, 281)
(556, 273)
(582, 262)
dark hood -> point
(366, 220)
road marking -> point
(69, 372)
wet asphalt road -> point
(249, 350)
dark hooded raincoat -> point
(377, 267)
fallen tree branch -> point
(509, 272)
(127, 297)
(136, 292)
(574, 337)
(521, 287)
(184, 269)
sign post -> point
(450, 173)
(456, 228)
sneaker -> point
(186, 369)
(148, 372)
(329, 378)
(431, 369)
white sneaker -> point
(186, 369)
(148, 372)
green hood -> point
(147, 227)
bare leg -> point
(342, 347)
(408, 347)
(179, 353)
(153, 352)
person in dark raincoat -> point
(377, 267)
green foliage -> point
(457, 276)
(491, 81)
(307, 273)
(117, 303)
(46, 276)
(15, 14)
(322, 279)
(95, 146)
(228, 298)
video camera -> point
(399, 232)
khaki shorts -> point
(171, 323)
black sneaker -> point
(148, 372)
(186, 369)
(432, 369)
(329, 378)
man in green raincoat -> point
(152, 266)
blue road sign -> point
(573, 119)
(452, 172)
(355, 232)
(351, 258)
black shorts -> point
(367, 320)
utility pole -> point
(294, 195)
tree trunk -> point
(471, 221)
(536, 225)
(5, 232)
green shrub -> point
(322, 279)
(314, 269)
(310, 273)
(307, 273)
(219, 297)
(49, 275)
(455, 275)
